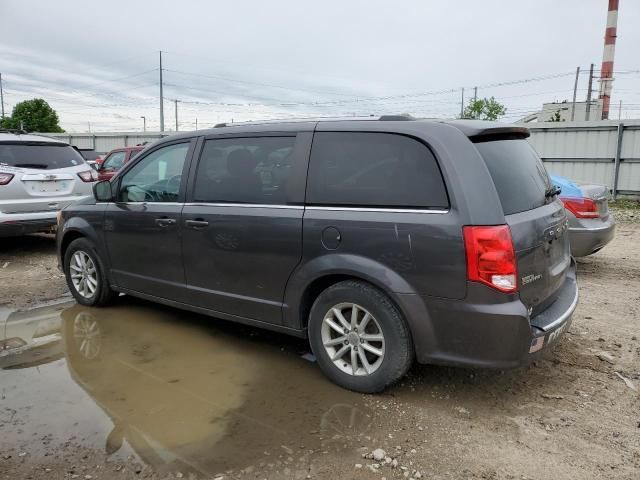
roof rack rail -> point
(402, 116)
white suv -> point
(38, 177)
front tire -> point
(85, 274)
(359, 337)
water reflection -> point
(189, 393)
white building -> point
(564, 109)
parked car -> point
(591, 226)
(115, 159)
(38, 177)
(390, 240)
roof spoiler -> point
(499, 133)
(483, 131)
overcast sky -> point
(97, 62)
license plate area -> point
(48, 186)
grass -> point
(625, 204)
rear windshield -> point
(45, 156)
(518, 174)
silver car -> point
(38, 177)
(591, 226)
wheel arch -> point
(316, 276)
(74, 228)
(68, 237)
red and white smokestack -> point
(606, 72)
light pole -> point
(144, 123)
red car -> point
(115, 159)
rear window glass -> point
(518, 174)
(39, 156)
(373, 169)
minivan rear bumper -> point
(492, 330)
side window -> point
(244, 170)
(114, 161)
(373, 170)
(156, 178)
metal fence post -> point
(616, 165)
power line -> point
(260, 84)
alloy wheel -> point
(353, 339)
(84, 274)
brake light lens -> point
(5, 178)
(490, 257)
(581, 207)
(88, 176)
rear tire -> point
(86, 275)
(374, 342)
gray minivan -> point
(382, 240)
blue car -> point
(591, 226)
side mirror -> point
(102, 191)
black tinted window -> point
(244, 170)
(89, 154)
(373, 169)
(44, 156)
(518, 174)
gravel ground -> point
(574, 414)
(28, 271)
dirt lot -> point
(141, 391)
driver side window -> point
(156, 178)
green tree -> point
(484, 109)
(35, 116)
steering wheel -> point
(169, 185)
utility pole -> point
(620, 110)
(89, 123)
(161, 97)
(462, 104)
(196, 123)
(575, 92)
(144, 123)
(176, 104)
(475, 94)
(1, 96)
(588, 112)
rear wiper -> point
(553, 191)
(32, 165)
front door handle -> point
(196, 224)
(165, 222)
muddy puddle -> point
(174, 390)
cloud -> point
(245, 60)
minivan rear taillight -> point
(581, 207)
(5, 178)
(490, 257)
